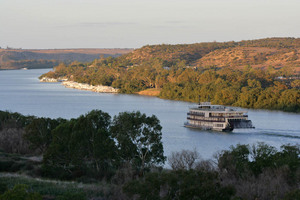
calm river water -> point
(21, 91)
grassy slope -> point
(17, 169)
(53, 188)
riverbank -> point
(150, 92)
(51, 80)
(81, 86)
(99, 88)
(172, 92)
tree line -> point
(126, 153)
(246, 87)
(257, 171)
(92, 143)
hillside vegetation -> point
(48, 58)
(253, 74)
(277, 52)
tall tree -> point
(38, 132)
(82, 143)
(139, 139)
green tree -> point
(20, 192)
(38, 132)
(92, 131)
(182, 184)
(244, 160)
(235, 161)
(263, 157)
(3, 188)
(296, 84)
(138, 139)
(72, 196)
(293, 195)
(83, 145)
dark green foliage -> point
(263, 157)
(138, 139)
(289, 156)
(20, 192)
(52, 189)
(243, 159)
(72, 196)
(3, 188)
(261, 171)
(38, 132)
(25, 134)
(85, 147)
(13, 120)
(12, 127)
(81, 145)
(93, 147)
(18, 163)
(191, 184)
(235, 161)
(293, 195)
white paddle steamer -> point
(216, 117)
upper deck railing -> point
(205, 103)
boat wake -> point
(282, 135)
(294, 134)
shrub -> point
(183, 160)
(72, 196)
(20, 192)
(181, 184)
(3, 188)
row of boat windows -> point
(206, 119)
(225, 114)
(205, 124)
(218, 114)
(218, 125)
(196, 113)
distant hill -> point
(47, 58)
(262, 53)
(261, 73)
(261, 57)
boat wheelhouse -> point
(216, 117)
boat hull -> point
(216, 118)
(205, 128)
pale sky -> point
(44, 24)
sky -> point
(57, 24)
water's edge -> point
(21, 91)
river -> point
(21, 91)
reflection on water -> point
(20, 91)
